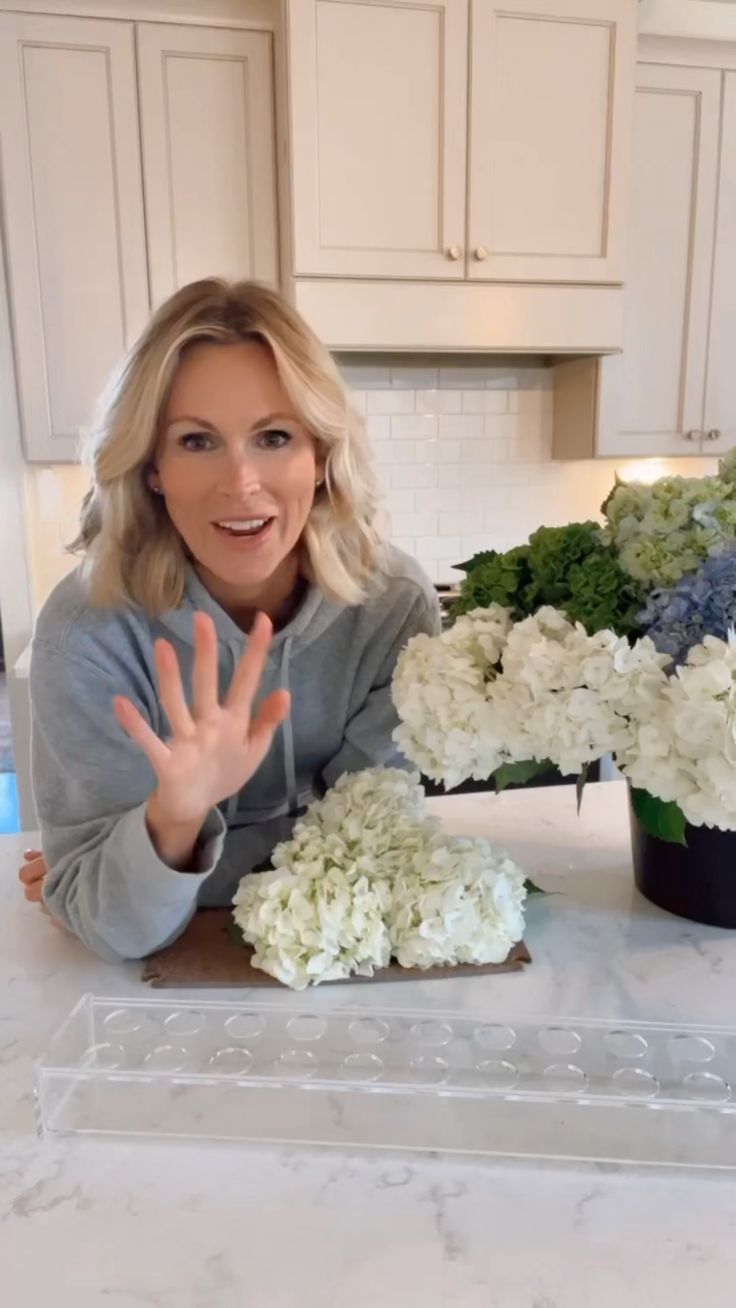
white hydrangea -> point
(552, 692)
(439, 689)
(367, 875)
(460, 902)
(683, 744)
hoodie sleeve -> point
(368, 739)
(91, 786)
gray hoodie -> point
(91, 783)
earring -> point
(157, 490)
(319, 484)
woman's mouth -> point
(243, 530)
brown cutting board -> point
(206, 955)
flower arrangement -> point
(591, 640)
(368, 876)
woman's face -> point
(238, 471)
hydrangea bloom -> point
(552, 692)
(367, 875)
(683, 748)
(669, 528)
(702, 604)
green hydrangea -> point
(494, 578)
(572, 568)
(667, 529)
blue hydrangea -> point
(703, 603)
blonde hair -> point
(132, 550)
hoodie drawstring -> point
(288, 735)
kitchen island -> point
(124, 1223)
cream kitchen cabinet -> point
(672, 391)
(385, 109)
(95, 115)
(207, 131)
(74, 223)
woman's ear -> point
(152, 480)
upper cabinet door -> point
(652, 395)
(720, 395)
(378, 126)
(550, 123)
(207, 128)
(73, 216)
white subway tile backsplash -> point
(461, 426)
(462, 520)
(378, 427)
(418, 476)
(393, 401)
(400, 501)
(444, 548)
(436, 401)
(464, 454)
(414, 426)
(414, 524)
(496, 401)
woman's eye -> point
(274, 440)
(196, 440)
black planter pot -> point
(697, 880)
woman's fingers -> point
(30, 854)
(204, 677)
(249, 671)
(34, 869)
(135, 726)
(34, 891)
(171, 690)
(270, 715)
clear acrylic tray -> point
(390, 1078)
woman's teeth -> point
(245, 527)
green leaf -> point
(665, 821)
(476, 561)
(517, 774)
(580, 783)
(533, 889)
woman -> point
(225, 650)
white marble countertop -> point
(86, 1223)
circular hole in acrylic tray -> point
(497, 1074)
(306, 1026)
(368, 1031)
(431, 1033)
(124, 1021)
(685, 1047)
(705, 1087)
(245, 1026)
(361, 1067)
(625, 1044)
(166, 1058)
(296, 1063)
(231, 1061)
(634, 1083)
(105, 1054)
(184, 1022)
(559, 1040)
(495, 1037)
(565, 1079)
(428, 1070)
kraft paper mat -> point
(206, 955)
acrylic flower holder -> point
(393, 1079)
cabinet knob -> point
(481, 253)
(713, 435)
(693, 435)
(454, 252)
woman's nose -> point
(241, 476)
